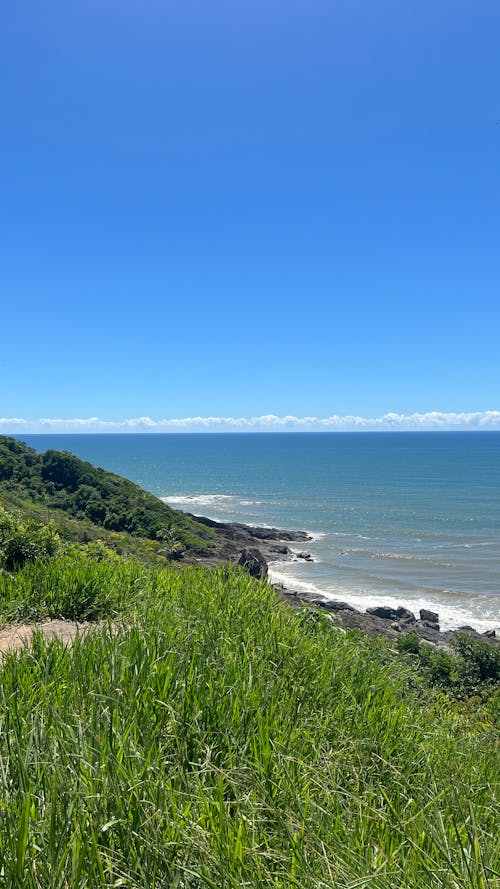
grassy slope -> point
(221, 739)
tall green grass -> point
(72, 586)
(222, 740)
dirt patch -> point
(15, 637)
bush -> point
(25, 541)
(473, 668)
(482, 659)
(409, 643)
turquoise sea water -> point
(408, 518)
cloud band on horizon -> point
(431, 420)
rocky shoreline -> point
(254, 547)
(233, 538)
(382, 620)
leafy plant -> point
(25, 541)
(473, 668)
(172, 547)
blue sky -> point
(238, 209)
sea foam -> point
(451, 614)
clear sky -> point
(231, 208)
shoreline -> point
(384, 620)
(239, 542)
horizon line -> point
(390, 422)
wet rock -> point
(383, 611)
(430, 631)
(405, 615)
(431, 625)
(306, 556)
(269, 533)
(233, 537)
(430, 616)
(333, 605)
(254, 562)
(394, 614)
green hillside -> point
(62, 487)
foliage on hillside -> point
(472, 669)
(23, 541)
(68, 486)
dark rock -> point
(383, 611)
(394, 614)
(428, 631)
(268, 533)
(306, 556)
(254, 562)
(490, 634)
(333, 605)
(406, 615)
(430, 616)
(351, 618)
(231, 538)
(467, 629)
(431, 625)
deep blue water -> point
(412, 518)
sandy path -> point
(15, 637)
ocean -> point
(396, 518)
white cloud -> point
(268, 423)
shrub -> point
(25, 541)
(482, 659)
(473, 668)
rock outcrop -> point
(233, 537)
(254, 562)
(394, 614)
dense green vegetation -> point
(60, 486)
(471, 669)
(222, 739)
(23, 541)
